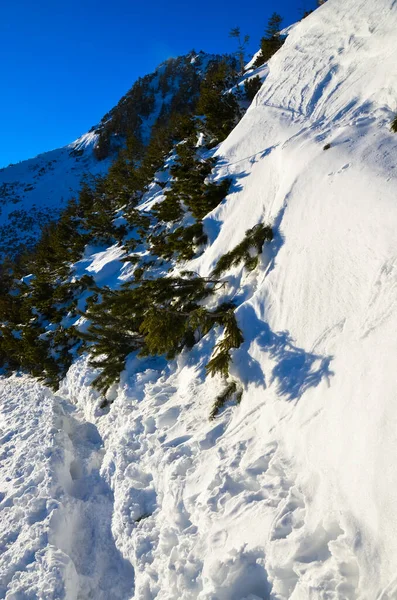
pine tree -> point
(189, 188)
(272, 40)
(252, 87)
(154, 317)
(252, 242)
(273, 27)
(241, 46)
(231, 389)
(217, 103)
(123, 182)
(232, 338)
(181, 244)
(151, 316)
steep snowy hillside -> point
(290, 494)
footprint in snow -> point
(341, 170)
(177, 441)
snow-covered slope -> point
(291, 494)
(33, 191)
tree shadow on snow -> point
(213, 225)
(295, 369)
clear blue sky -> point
(65, 63)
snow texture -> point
(56, 509)
(291, 494)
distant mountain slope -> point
(172, 88)
(33, 191)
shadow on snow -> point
(295, 369)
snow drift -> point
(289, 495)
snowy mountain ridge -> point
(34, 192)
(290, 494)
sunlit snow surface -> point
(292, 494)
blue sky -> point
(66, 63)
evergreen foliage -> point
(154, 317)
(232, 338)
(394, 125)
(123, 182)
(241, 46)
(163, 139)
(217, 103)
(252, 87)
(181, 244)
(189, 187)
(231, 389)
(32, 336)
(177, 81)
(189, 190)
(272, 40)
(253, 241)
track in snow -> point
(55, 538)
(82, 527)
